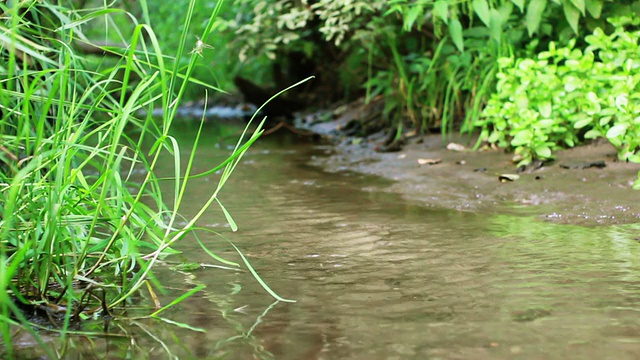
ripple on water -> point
(378, 278)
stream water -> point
(377, 277)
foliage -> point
(82, 218)
(435, 61)
(268, 25)
(167, 20)
(557, 18)
(565, 94)
(482, 31)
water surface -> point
(376, 277)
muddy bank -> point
(565, 191)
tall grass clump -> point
(82, 218)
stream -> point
(375, 276)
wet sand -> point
(469, 180)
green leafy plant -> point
(564, 95)
(481, 31)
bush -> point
(565, 95)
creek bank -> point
(585, 185)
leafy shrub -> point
(564, 95)
(265, 27)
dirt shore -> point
(564, 191)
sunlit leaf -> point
(634, 158)
(592, 134)
(572, 14)
(455, 31)
(594, 7)
(441, 10)
(616, 131)
(545, 109)
(212, 254)
(519, 4)
(495, 25)
(505, 11)
(534, 15)
(579, 4)
(523, 137)
(543, 152)
(481, 7)
(411, 16)
(227, 216)
(587, 120)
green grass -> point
(83, 220)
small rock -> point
(508, 177)
(429, 161)
(455, 147)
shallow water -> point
(376, 277)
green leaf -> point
(519, 4)
(495, 25)
(232, 223)
(579, 4)
(92, 15)
(592, 134)
(545, 109)
(534, 15)
(634, 158)
(544, 152)
(636, 184)
(622, 101)
(455, 31)
(616, 142)
(441, 10)
(616, 131)
(505, 11)
(594, 7)
(587, 120)
(569, 142)
(411, 17)
(572, 14)
(546, 123)
(605, 119)
(213, 255)
(481, 7)
(522, 137)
